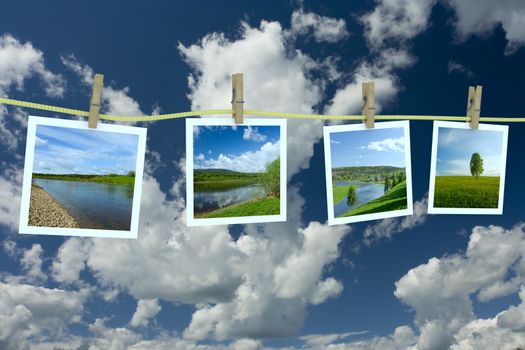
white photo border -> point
(32, 124)
(327, 131)
(190, 123)
(503, 165)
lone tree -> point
(476, 165)
(351, 197)
(387, 185)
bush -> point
(271, 179)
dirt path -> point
(45, 211)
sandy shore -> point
(44, 210)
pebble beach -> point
(45, 211)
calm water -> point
(204, 201)
(95, 205)
(365, 192)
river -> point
(204, 201)
(95, 205)
(365, 192)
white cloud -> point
(323, 29)
(10, 195)
(396, 21)
(389, 144)
(21, 61)
(30, 314)
(200, 157)
(251, 161)
(272, 74)
(486, 15)
(387, 228)
(492, 254)
(146, 310)
(253, 134)
(70, 260)
(31, 262)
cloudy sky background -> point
(421, 282)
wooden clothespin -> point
(369, 105)
(474, 105)
(238, 98)
(94, 103)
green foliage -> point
(131, 173)
(257, 207)
(222, 175)
(374, 174)
(395, 199)
(466, 192)
(271, 179)
(351, 196)
(476, 165)
(110, 178)
(387, 183)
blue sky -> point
(244, 148)
(300, 284)
(368, 148)
(61, 150)
(456, 146)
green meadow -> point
(395, 199)
(115, 179)
(466, 192)
(256, 207)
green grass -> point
(112, 179)
(395, 199)
(339, 193)
(466, 192)
(257, 207)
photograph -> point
(80, 181)
(368, 172)
(236, 173)
(467, 174)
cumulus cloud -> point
(271, 73)
(146, 309)
(389, 144)
(20, 61)
(10, 195)
(455, 67)
(492, 254)
(253, 134)
(30, 314)
(323, 29)
(250, 161)
(486, 15)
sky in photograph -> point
(60, 150)
(456, 147)
(368, 148)
(428, 282)
(246, 149)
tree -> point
(351, 197)
(131, 173)
(271, 179)
(386, 184)
(476, 165)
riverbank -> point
(395, 199)
(110, 179)
(257, 207)
(45, 211)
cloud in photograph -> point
(60, 150)
(456, 146)
(240, 148)
(368, 148)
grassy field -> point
(395, 199)
(339, 193)
(466, 192)
(111, 179)
(257, 207)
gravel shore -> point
(45, 211)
